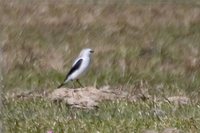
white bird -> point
(79, 67)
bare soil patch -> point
(90, 97)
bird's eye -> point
(91, 51)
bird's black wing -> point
(74, 67)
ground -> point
(144, 47)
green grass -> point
(116, 116)
(149, 41)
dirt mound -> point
(88, 97)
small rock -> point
(158, 112)
(179, 100)
(171, 130)
(149, 131)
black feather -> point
(74, 68)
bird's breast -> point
(85, 64)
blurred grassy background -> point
(152, 41)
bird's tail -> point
(65, 81)
(60, 85)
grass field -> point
(151, 42)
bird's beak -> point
(92, 51)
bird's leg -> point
(73, 84)
(80, 83)
(60, 85)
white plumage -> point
(79, 67)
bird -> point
(79, 67)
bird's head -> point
(86, 52)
